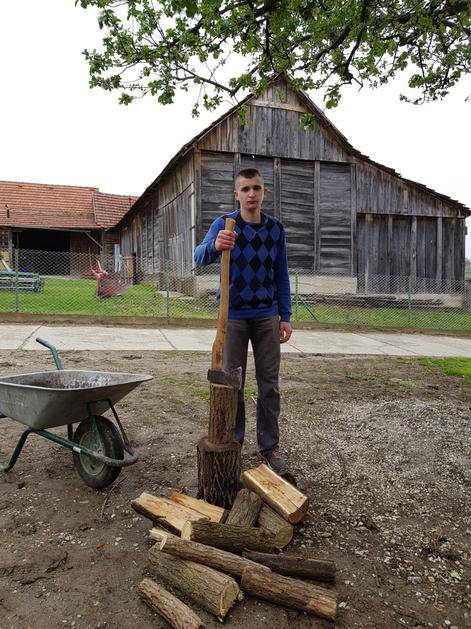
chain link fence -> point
(66, 283)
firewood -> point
(156, 534)
(283, 497)
(213, 591)
(214, 513)
(290, 592)
(276, 525)
(229, 536)
(176, 613)
(213, 557)
(293, 566)
(245, 509)
(222, 413)
(165, 512)
(218, 472)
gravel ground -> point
(381, 446)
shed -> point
(344, 214)
(59, 219)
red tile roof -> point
(44, 205)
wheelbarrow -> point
(49, 399)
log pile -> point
(212, 557)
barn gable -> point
(343, 212)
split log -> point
(157, 534)
(245, 509)
(213, 557)
(212, 512)
(165, 512)
(276, 525)
(229, 536)
(290, 592)
(283, 497)
(293, 566)
(222, 413)
(213, 591)
(176, 613)
(218, 472)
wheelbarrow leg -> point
(16, 453)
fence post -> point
(17, 296)
(296, 297)
(409, 303)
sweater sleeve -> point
(282, 280)
(205, 253)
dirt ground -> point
(382, 446)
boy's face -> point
(249, 193)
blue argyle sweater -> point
(258, 281)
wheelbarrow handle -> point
(55, 353)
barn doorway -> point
(44, 251)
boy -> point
(259, 304)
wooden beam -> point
(278, 210)
(413, 255)
(278, 105)
(439, 250)
(317, 233)
(198, 193)
(353, 214)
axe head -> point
(231, 378)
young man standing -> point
(259, 304)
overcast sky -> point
(56, 130)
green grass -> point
(70, 296)
(460, 367)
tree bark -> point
(290, 592)
(209, 589)
(176, 613)
(293, 566)
(222, 413)
(212, 512)
(165, 512)
(283, 497)
(207, 555)
(276, 525)
(218, 472)
(245, 509)
(228, 536)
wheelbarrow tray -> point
(48, 399)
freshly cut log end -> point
(229, 536)
(213, 591)
(273, 523)
(165, 512)
(214, 513)
(290, 592)
(293, 566)
(218, 472)
(280, 495)
(176, 613)
(245, 509)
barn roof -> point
(54, 206)
(321, 119)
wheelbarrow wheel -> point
(93, 472)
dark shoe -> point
(275, 460)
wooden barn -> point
(344, 214)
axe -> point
(216, 375)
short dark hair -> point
(248, 173)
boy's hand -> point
(225, 240)
(285, 331)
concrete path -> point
(183, 339)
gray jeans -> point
(265, 338)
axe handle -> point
(218, 345)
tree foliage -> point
(158, 46)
